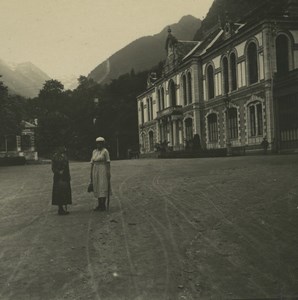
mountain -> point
(70, 82)
(143, 53)
(23, 79)
(236, 10)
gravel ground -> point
(214, 228)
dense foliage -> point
(12, 110)
(75, 118)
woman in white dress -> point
(100, 173)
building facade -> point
(231, 90)
(22, 145)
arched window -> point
(143, 142)
(210, 82)
(225, 71)
(212, 128)
(252, 63)
(159, 99)
(188, 129)
(151, 141)
(255, 119)
(282, 54)
(189, 87)
(172, 93)
(232, 123)
(184, 89)
(233, 69)
(142, 112)
(148, 109)
(162, 98)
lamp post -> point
(95, 101)
(117, 144)
(6, 148)
(227, 101)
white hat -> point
(100, 139)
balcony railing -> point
(172, 110)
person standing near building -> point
(100, 174)
(61, 195)
(265, 145)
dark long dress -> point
(61, 186)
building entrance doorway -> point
(288, 121)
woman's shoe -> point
(102, 205)
(63, 212)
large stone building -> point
(232, 89)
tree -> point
(54, 129)
(50, 88)
(3, 90)
(50, 96)
(12, 111)
(85, 83)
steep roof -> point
(28, 125)
(184, 47)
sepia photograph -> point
(149, 150)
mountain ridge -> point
(144, 52)
(24, 79)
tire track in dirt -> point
(178, 208)
(126, 233)
(97, 288)
(255, 243)
(266, 229)
(168, 231)
(43, 216)
(152, 223)
(89, 263)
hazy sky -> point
(71, 37)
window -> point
(25, 142)
(225, 71)
(151, 143)
(233, 68)
(143, 142)
(184, 90)
(212, 128)
(2, 143)
(252, 119)
(255, 119)
(188, 129)
(162, 98)
(260, 119)
(189, 87)
(282, 55)
(172, 92)
(252, 63)
(210, 82)
(151, 108)
(232, 123)
(159, 99)
(148, 109)
(142, 112)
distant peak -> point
(188, 18)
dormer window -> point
(227, 28)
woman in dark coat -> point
(61, 185)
